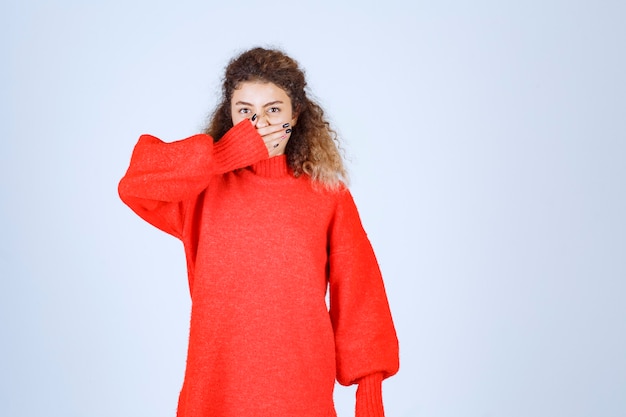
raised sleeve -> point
(365, 338)
(163, 177)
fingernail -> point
(253, 117)
(285, 125)
(288, 131)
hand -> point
(275, 136)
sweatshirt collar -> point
(274, 167)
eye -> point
(273, 110)
(244, 110)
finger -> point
(253, 120)
(276, 143)
(268, 130)
(276, 137)
(274, 146)
(276, 149)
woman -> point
(268, 226)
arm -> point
(365, 337)
(163, 177)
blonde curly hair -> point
(313, 147)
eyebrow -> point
(271, 103)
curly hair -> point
(313, 147)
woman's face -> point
(269, 102)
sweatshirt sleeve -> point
(365, 338)
(163, 177)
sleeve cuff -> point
(240, 147)
(369, 398)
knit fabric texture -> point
(263, 248)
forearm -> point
(369, 398)
(170, 172)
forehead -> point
(258, 91)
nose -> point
(262, 121)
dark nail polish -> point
(288, 131)
(253, 117)
(285, 125)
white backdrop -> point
(486, 142)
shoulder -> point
(344, 206)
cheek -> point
(287, 117)
(236, 116)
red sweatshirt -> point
(262, 249)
